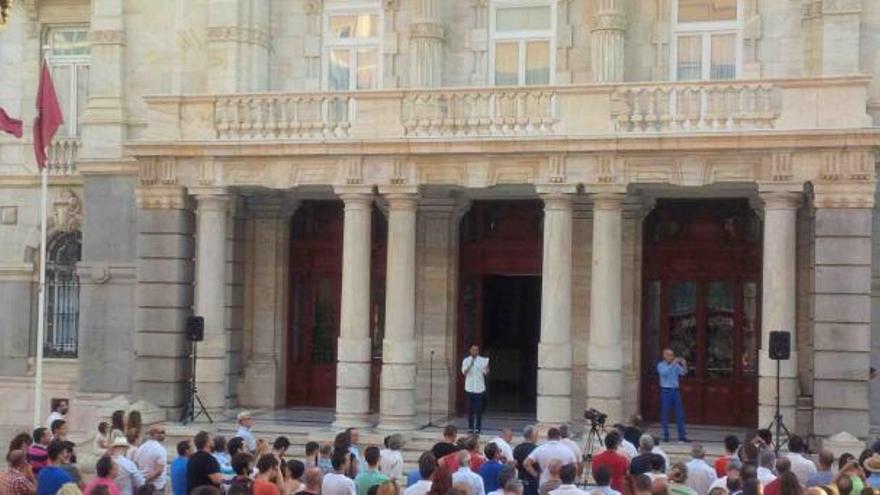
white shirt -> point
(657, 450)
(568, 490)
(545, 453)
(465, 475)
(250, 441)
(504, 447)
(700, 476)
(391, 463)
(337, 484)
(475, 377)
(802, 467)
(575, 449)
(627, 449)
(603, 490)
(420, 487)
(129, 478)
(719, 483)
(765, 475)
(150, 454)
(53, 416)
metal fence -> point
(62, 297)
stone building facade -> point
(349, 192)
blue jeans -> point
(671, 398)
(475, 404)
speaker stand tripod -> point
(189, 414)
(777, 423)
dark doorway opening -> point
(511, 327)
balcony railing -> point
(61, 155)
(492, 112)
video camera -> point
(595, 417)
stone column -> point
(265, 366)
(607, 41)
(397, 402)
(554, 348)
(604, 355)
(353, 347)
(213, 205)
(426, 46)
(778, 303)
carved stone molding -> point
(352, 170)
(107, 37)
(431, 30)
(238, 34)
(158, 171)
(66, 211)
(162, 198)
(314, 7)
(780, 165)
(5, 13)
(847, 165)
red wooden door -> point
(701, 298)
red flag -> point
(49, 116)
(10, 125)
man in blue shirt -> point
(53, 477)
(670, 369)
(489, 471)
(178, 467)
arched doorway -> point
(701, 297)
(500, 299)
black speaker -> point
(195, 329)
(780, 345)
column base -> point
(348, 420)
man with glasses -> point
(151, 458)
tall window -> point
(66, 49)
(707, 39)
(352, 48)
(523, 42)
(62, 295)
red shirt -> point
(110, 484)
(772, 488)
(262, 487)
(721, 466)
(617, 463)
(477, 461)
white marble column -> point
(778, 304)
(397, 402)
(213, 205)
(426, 45)
(353, 347)
(554, 349)
(605, 354)
(607, 45)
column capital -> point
(607, 200)
(214, 199)
(272, 206)
(555, 189)
(781, 200)
(208, 191)
(400, 197)
(355, 196)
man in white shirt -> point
(129, 478)
(336, 482)
(700, 474)
(766, 460)
(503, 442)
(603, 482)
(151, 458)
(575, 449)
(427, 466)
(801, 466)
(245, 424)
(547, 452)
(465, 475)
(626, 448)
(567, 475)
(58, 412)
(475, 368)
(733, 468)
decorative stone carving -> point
(427, 30)
(66, 211)
(780, 167)
(158, 171)
(162, 198)
(556, 166)
(847, 165)
(352, 170)
(5, 13)
(239, 34)
(107, 37)
(314, 7)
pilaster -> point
(607, 44)
(832, 37)
(426, 45)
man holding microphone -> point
(475, 368)
(669, 370)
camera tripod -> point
(189, 413)
(594, 439)
(778, 440)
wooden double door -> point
(701, 296)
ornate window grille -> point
(62, 295)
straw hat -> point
(873, 463)
(120, 441)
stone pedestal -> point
(353, 347)
(554, 349)
(604, 355)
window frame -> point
(522, 37)
(328, 45)
(705, 30)
(74, 62)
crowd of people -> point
(629, 462)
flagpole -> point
(41, 312)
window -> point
(67, 49)
(62, 295)
(707, 39)
(523, 42)
(353, 49)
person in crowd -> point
(268, 480)
(475, 368)
(788, 484)
(658, 469)
(872, 468)
(766, 437)
(464, 474)
(325, 453)
(105, 474)
(639, 484)
(783, 466)
(134, 424)
(669, 370)
(801, 466)
(20, 442)
(567, 478)
(37, 455)
(678, 475)
(427, 468)
(447, 445)
(441, 481)
(311, 458)
(850, 469)
(751, 486)
(626, 447)
(602, 476)
(133, 437)
(700, 474)
(59, 429)
(388, 487)
(292, 471)
(202, 468)
(503, 441)
(490, 469)
(68, 462)
(128, 477)
(824, 471)
(59, 411)
(766, 461)
(371, 476)
(641, 464)
(541, 457)
(617, 463)
(731, 475)
(101, 442)
(243, 465)
(117, 425)
(521, 453)
(234, 446)
(553, 480)
(513, 487)
(354, 436)
(245, 425)
(390, 458)
(719, 491)
(152, 458)
(220, 452)
(507, 474)
(472, 445)
(52, 477)
(731, 446)
(336, 482)
(178, 468)
(659, 451)
(313, 478)
(18, 478)
(279, 449)
(564, 434)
